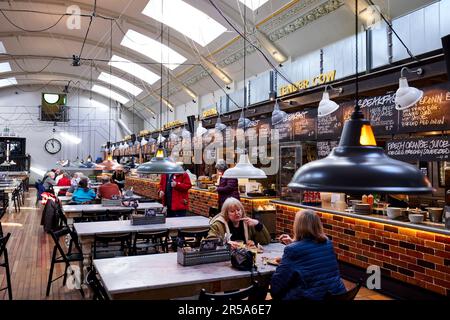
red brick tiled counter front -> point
(417, 257)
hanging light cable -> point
(160, 163)
(244, 169)
(109, 164)
(357, 165)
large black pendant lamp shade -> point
(357, 165)
(160, 164)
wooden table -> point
(160, 277)
(87, 230)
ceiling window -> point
(153, 49)
(5, 67)
(107, 93)
(186, 19)
(2, 48)
(120, 83)
(7, 82)
(253, 4)
(133, 69)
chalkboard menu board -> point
(304, 124)
(382, 113)
(324, 148)
(430, 114)
(330, 126)
(284, 130)
(435, 148)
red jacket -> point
(180, 195)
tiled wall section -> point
(199, 201)
(416, 257)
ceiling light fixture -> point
(327, 106)
(278, 115)
(160, 163)
(357, 165)
(244, 169)
(407, 96)
(219, 73)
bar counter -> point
(418, 254)
(200, 200)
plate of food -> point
(252, 247)
(274, 261)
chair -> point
(99, 292)
(92, 216)
(192, 238)
(346, 296)
(64, 257)
(158, 241)
(16, 199)
(111, 245)
(5, 263)
(118, 215)
(253, 293)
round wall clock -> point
(52, 146)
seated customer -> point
(108, 190)
(308, 268)
(49, 181)
(63, 182)
(83, 193)
(232, 220)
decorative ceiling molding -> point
(283, 30)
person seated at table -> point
(63, 182)
(49, 181)
(108, 190)
(76, 177)
(232, 220)
(118, 178)
(58, 175)
(83, 194)
(308, 268)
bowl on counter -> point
(394, 212)
(415, 217)
(418, 211)
(435, 214)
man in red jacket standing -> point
(173, 190)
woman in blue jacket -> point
(308, 268)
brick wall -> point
(143, 187)
(417, 257)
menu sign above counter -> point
(330, 126)
(431, 113)
(382, 113)
(300, 125)
(435, 148)
(324, 148)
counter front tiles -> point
(416, 254)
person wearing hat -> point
(228, 187)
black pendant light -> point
(357, 165)
(160, 163)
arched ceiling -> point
(39, 45)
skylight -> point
(105, 92)
(253, 4)
(2, 48)
(152, 49)
(7, 82)
(120, 83)
(5, 67)
(186, 19)
(133, 69)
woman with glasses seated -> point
(232, 220)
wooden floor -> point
(30, 249)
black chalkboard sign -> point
(382, 113)
(430, 114)
(304, 124)
(284, 130)
(324, 148)
(330, 126)
(435, 148)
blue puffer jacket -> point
(308, 270)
